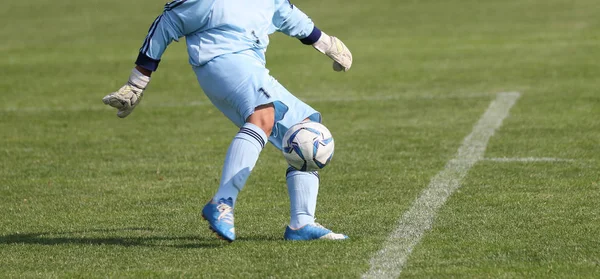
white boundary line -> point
(389, 261)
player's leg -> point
(241, 157)
(237, 95)
(303, 187)
(244, 151)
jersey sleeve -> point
(291, 21)
(179, 18)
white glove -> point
(128, 96)
(336, 50)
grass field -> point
(87, 195)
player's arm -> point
(178, 19)
(293, 22)
(161, 33)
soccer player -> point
(226, 43)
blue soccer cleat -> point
(220, 218)
(312, 232)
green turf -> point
(84, 194)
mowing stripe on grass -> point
(389, 261)
(528, 159)
(99, 106)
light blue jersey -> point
(226, 42)
(217, 27)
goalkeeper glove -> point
(336, 50)
(128, 96)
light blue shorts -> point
(237, 83)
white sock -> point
(303, 188)
(241, 157)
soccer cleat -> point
(312, 232)
(220, 218)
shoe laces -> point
(225, 213)
(319, 226)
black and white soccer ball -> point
(308, 146)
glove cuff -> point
(323, 44)
(313, 37)
(138, 79)
(146, 62)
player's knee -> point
(263, 117)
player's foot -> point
(220, 218)
(312, 232)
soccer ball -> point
(308, 146)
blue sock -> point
(303, 188)
(241, 157)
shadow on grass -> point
(94, 237)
